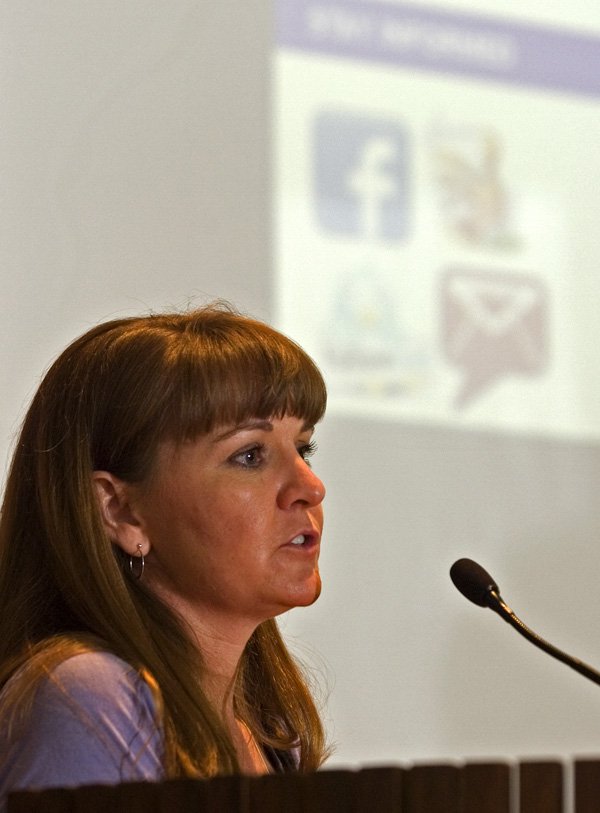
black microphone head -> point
(473, 581)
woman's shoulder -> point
(92, 720)
(93, 686)
(95, 675)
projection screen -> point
(411, 191)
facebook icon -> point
(360, 176)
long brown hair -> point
(108, 401)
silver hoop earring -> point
(137, 571)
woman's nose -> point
(302, 486)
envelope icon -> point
(493, 325)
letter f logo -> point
(360, 176)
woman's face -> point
(234, 521)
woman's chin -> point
(310, 592)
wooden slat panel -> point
(97, 797)
(224, 793)
(474, 788)
(277, 793)
(179, 796)
(134, 797)
(332, 790)
(587, 786)
(540, 787)
(431, 789)
(379, 790)
(329, 790)
(485, 788)
(56, 800)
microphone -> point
(478, 586)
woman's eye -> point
(307, 450)
(249, 458)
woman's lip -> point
(311, 539)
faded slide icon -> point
(475, 201)
(360, 176)
(494, 325)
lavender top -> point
(93, 722)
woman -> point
(159, 513)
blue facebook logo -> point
(360, 176)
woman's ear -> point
(118, 513)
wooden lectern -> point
(526, 787)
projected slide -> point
(436, 213)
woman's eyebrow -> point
(266, 426)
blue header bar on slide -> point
(433, 40)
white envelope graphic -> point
(493, 325)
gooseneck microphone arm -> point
(479, 587)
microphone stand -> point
(477, 585)
(496, 603)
